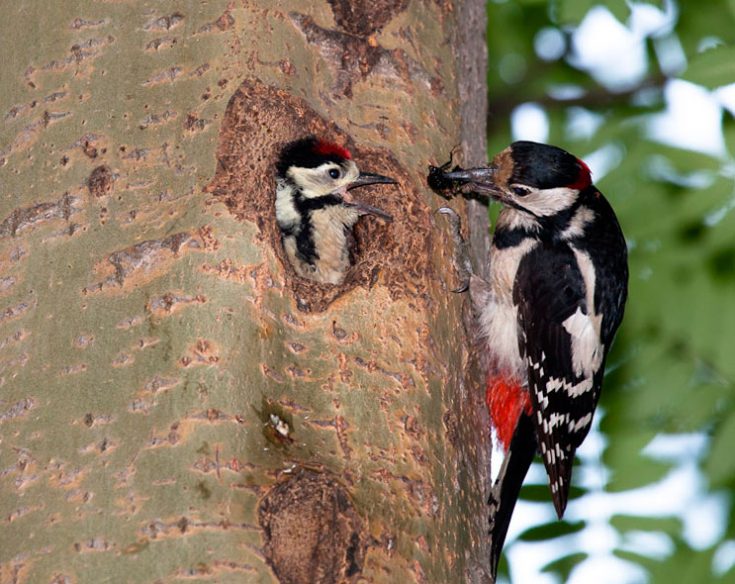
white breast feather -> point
(499, 317)
(286, 212)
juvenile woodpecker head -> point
(538, 179)
(315, 210)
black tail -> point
(515, 466)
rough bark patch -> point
(352, 58)
(100, 181)
(365, 17)
(312, 532)
(258, 122)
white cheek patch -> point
(316, 182)
(546, 202)
(307, 179)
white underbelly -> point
(499, 317)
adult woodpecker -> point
(548, 314)
(314, 210)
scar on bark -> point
(311, 530)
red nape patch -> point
(330, 149)
(505, 400)
(584, 179)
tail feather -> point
(560, 479)
(515, 466)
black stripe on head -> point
(545, 167)
(309, 152)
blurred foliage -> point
(672, 369)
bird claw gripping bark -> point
(462, 262)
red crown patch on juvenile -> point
(329, 149)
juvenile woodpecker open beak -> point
(365, 209)
(369, 178)
(364, 179)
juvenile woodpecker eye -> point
(520, 191)
(335, 173)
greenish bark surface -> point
(175, 404)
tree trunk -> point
(175, 403)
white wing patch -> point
(583, 217)
(584, 328)
(587, 349)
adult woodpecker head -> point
(537, 179)
(315, 209)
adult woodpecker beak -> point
(481, 180)
(364, 179)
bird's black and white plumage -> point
(549, 312)
(314, 210)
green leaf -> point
(713, 68)
(564, 565)
(630, 469)
(551, 530)
(720, 464)
(684, 565)
(669, 525)
(641, 560)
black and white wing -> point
(559, 337)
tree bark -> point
(175, 403)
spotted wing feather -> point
(548, 290)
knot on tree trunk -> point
(311, 530)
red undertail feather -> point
(331, 149)
(506, 399)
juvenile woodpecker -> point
(314, 210)
(548, 314)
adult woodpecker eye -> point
(335, 173)
(520, 191)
